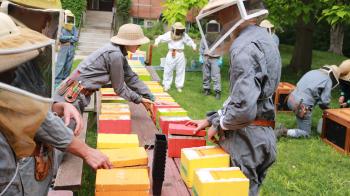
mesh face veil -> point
(229, 14)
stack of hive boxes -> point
(140, 70)
(114, 114)
(207, 171)
(130, 173)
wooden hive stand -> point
(336, 129)
(280, 96)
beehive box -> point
(158, 105)
(164, 122)
(281, 94)
(201, 157)
(166, 99)
(148, 83)
(117, 124)
(336, 129)
(122, 182)
(135, 63)
(220, 181)
(156, 88)
(107, 92)
(115, 110)
(162, 94)
(181, 136)
(113, 99)
(171, 112)
(114, 141)
(126, 157)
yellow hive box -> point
(220, 181)
(166, 99)
(113, 141)
(114, 117)
(126, 157)
(135, 63)
(201, 157)
(151, 83)
(122, 181)
(172, 112)
(163, 94)
(156, 89)
(107, 92)
(123, 193)
(113, 99)
(115, 110)
(114, 105)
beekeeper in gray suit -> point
(211, 62)
(245, 122)
(108, 64)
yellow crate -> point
(172, 112)
(126, 157)
(116, 180)
(166, 99)
(220, 181)
(156, 89)
(113, 99)
(107, 91)
(151, 83)
(114, 105)
(162, 94)
(114, 141)
(114, 117)
(115, 110)
(201, 157)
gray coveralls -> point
(255, 69)
(108, 64)
(314, 88)
(210, 69)
(52, 131)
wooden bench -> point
(69, 174)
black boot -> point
(217, 95)
(206, 92)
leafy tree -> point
(176, 10)
(301, 15)
(337, 16)
(122, 12)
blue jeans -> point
(304, 124)
(64, 63)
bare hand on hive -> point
(148, 105)
(199, 124)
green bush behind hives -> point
(77, 7)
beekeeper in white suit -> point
(175, 59)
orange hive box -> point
(336, 129)
(122, 182)
(281, 94)
(113, 141)
(126, 157)
(114, 123)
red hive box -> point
(181, 136)
(336, 129)
(281, 95)
(119, 124)
(156, 106)
(164, 122)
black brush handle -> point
(158, 165)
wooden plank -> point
(69, 173)
(92, 105)
(142, 125)
(153, 73)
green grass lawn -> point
(303, 167)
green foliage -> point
(123, 10)
(194, 33)
(152, 33)
(77, 7)
(176, 10)
(337, 14)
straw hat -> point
(345, 70)
(130, 35)
(18, 44)
(335, 70)
(266, 24)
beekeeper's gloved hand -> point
(220, 62)
(201, 61)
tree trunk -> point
(336, 39)
(302, 54)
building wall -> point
(146, 9)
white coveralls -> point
(178, 62)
